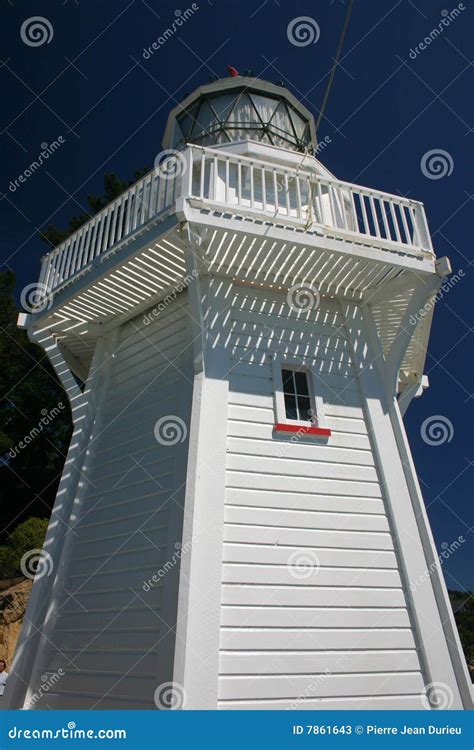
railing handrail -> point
(330, 202)
(95, 217)
(303, 173)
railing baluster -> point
(214, 181)
(239, 183)
(287, 194)
(275, 191)
(298, 197)
(332, 206)
(384, 218)
(203, 173)
(395, 222)
(227, 179)
(374, 216)
(68, 255)
(137, 207)
(115, 213)
(130, 203)
(405, 225)
(252, 191)
(364, 213)
(100, 233)
(105, 239)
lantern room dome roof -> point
(237, 109)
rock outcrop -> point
(13, 603)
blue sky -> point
(92, 86)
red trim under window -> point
(280, 427)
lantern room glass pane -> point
(243, 115)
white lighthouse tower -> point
(239, 523)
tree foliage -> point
(113, 187)
(27, 536)
(29, 389)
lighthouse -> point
(239, 522)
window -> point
(298, 403)
(296, 395)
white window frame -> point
(317, 404)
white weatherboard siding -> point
(109, 635)
(335, 634)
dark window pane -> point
(290, 407)
(288, 385)
(301, 380)
(304, 407)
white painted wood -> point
(428, 627)
(292, 589)
(197, 643)
(125, 522)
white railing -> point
(217, 177)
(230, 180)
(143, 201)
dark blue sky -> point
(92, 86)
